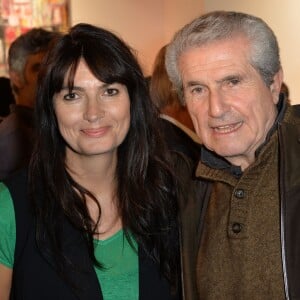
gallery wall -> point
(284, 18)
(145, 25)
(148, 25)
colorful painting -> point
(18, 16)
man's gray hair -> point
(32, 42)
(220, 25)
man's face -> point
(231, 107)
(31, 70)
(26, 85)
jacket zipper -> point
(282, 219)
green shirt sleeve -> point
(7, 228)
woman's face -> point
(94, 117)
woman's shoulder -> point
(6, 205)
(17, 184)
(7, 227)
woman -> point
(99, 221)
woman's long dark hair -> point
(146, 186)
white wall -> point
(146, 25)
(284, 18)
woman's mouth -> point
(95, 132)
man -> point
(16, 131)
(176, 122)
(241, 215)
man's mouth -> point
(227, 128)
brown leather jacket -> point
(197, 193)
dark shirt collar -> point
(215, 161)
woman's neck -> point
(97, 174)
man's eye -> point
(111, 92)
(70, 96)
(197, 90)
(233, 81)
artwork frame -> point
(19, 16)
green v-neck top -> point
(119, 275)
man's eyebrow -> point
(229, 77)
(193, 83)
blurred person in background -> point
(176, 122)
(6, 97)
(17, 129)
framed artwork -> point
(19, 16)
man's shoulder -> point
(293, 114)
(289, 137)
(296, 108)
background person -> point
(176, 122)
(6, 97)
(17, 129)
(240, 224)
(103, 218)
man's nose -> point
(217, 103)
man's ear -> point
(275, 87)
(16, 79)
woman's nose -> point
(93, 111)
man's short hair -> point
(221, 25)
(32, 42)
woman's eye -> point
(111, 92)
(70, 96)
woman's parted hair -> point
(147, 203)
(110, 60)
(220, 25)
